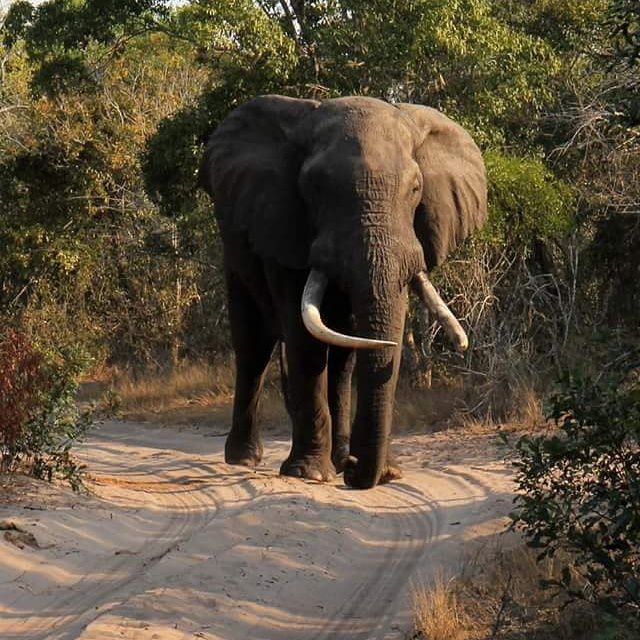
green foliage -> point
(105, 107)
(172, 160)
(527, 202)
(568, 25)
(15, 23)
(624, 20)
(489, 76)
(66, 24)
(613, 265)
(39, 418)
(580, 487)
(233, 34)
(79, 257)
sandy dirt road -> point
(174, 544)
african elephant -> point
(334, 206)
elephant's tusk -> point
(311, 300)
(437, 306)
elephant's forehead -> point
(370, 122)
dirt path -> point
(176, 544)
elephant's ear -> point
(250, 169)
(454, 195)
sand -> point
(174, 544)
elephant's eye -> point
(416, 187)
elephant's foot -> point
(390, 472)
(357, 476)
(340, 453)
(309, 467)
(246, 453)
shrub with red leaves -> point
(39, 418)
(23, 381)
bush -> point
(39, 419)
(580, 487)
(527, 202)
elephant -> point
(329, 212)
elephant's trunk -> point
(312, 300)
(377, 374)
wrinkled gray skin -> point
(368, 193)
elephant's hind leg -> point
(253, 344)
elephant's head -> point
(368, 195)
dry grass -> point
(203, 394)
(525, 414)
(530, 412)
(449, 406)
(192, 384)
(438, 612)
(498, 596)
(426, 410)
(192, 393)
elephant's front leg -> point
(308, 406)
(341, 363)
(310, 455)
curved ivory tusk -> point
(311, 300)
(437, 306)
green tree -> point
(84, 255)
(624, 18)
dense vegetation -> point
(39, 417)
(579, 487)
(104, 108)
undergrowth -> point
(500, 594)
(39, 419)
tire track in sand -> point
(181, 505)
(355, 552)
(366, 612)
